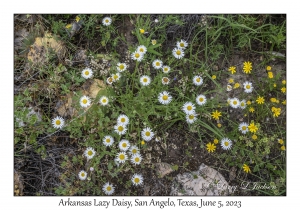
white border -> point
(8, 8)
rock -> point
(18, 184)
(163, 169)
(205, 181)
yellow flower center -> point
(107, 140)
(123, 120)
(106, 21)
(189, 108)
(121, 66)
(244, 128)
(247, 86)
(147, 133)
(104, 100)
(84, 101)
(115, 76)
(82, 174)
(198, 79)
(122, 156)
(136, 180)
(137, 159)
(191, 117)
(136, 55)
(157, 63)
(242, 104)
(181, 44)
(166, 69)
(86, 72)
(234, 102)
(141, 50)
(145, 80)
(201, 99)
(108, 188)
(120, 128)
(226, 143)
(90, 153)
(165, 97)
(110, 79)
(134, 151)
(57, 122)
(178, 52)
(166, 80)
(124, 145)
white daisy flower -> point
(87, 73)
(121, 157)
(108, 188)
(106, 21)
(201, 100)
(58, 122)
(188, 108)
(178, 53)
(182, 44)
(191, 118)
(197, 80)
(145, 80)
(121, 67)
(110, 80)
(226, 143)
(116, 76)
(166, 69)
(137, 56)
(134, 150)
(89, 153)
(85, 101)
(165, 80)
(243, 104)
(142, 49)
(103, 100)
(164, 97)
(157, 64)
(235, 103)
(136, 159)
(123, 119)
(248, 87)
(229, 87)
(108, 141)
(137, 179)
(243, 127)
(120, 128)
(147, 134)
(124, 145)
(82, 175)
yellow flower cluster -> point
(276, 111)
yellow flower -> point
(210, 147)
(248, 102)
(68, 26)
(283, 82)
(273, 100)
(246, 168)
(277, 101)
(276, 111)
(269, 68)
(216, 115)
(247, 67)
(142, 142)
(254, 137)
(283, 89)
(219, 125)
(284, 102)
(153, 41)
(213, 76)
(231, 80)
(252, 128)
(142, 31)
(236, 85)
(282, 148)
(216, 141)
(77, 19)
(251, 109)
(270, 75)
(232, 69)
(280, 141)
(274, 85)
(260, 100)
